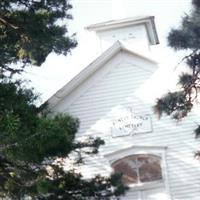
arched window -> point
(140, 168)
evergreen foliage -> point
(30, 30)
(187, 37)
(35, 149)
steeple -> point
(138, 32)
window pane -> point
(149, 168)
(128, 168)
(139, 168)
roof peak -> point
(90, 69)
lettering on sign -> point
(131, 124)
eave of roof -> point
(148, 21)
(89, 70)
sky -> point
(58, 69)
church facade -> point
(110, 97)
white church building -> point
(110, 97)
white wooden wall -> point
(110, 89)
(135, 36)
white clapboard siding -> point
(131, 195)
(114, 86)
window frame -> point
(135, 158)
(159, 151)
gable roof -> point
(89, 70)
(147, 21)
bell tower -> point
(138, 33)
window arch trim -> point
(159, 151)
(139, 168)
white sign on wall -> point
(131, 124)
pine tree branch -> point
(185, 58)
(6, 23)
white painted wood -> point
(86, 73)
(108, 90)
(132, 22)
(135, 36)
